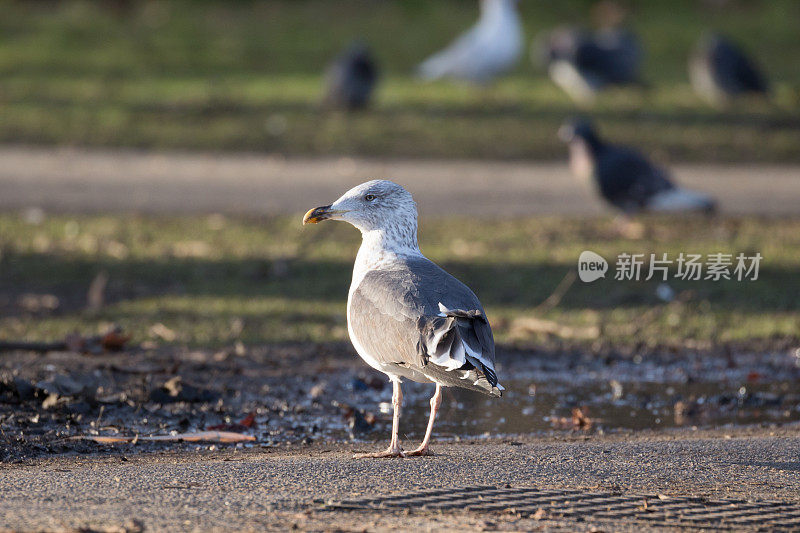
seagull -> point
(719, 70)
(406, 316)
(624, 177)
(583, 64)
(351, 78)
(490, 48)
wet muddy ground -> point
(302, 394)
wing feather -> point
(399, 317)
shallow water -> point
(534, 407)
(589, 395)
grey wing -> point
(401, 318)
(383, 316)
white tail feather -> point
(680, 200)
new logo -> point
(591, 266)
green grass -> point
(214, 281)
(246, 76)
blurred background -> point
(157, 157)
(249, 76)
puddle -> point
(536, 407)
(589, 395)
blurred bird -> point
(583, 64)
(719, 70)
(351, 78)
(488, 49)
(624, 177)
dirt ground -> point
(310, 407)
(305, 408)
(286, 395)
(307, 487)
(82, 180)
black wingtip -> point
(490, 374)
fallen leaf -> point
(50, 401)
(176, 390)
(114, 340)
(250, 420)
(245, 424)
(317, 390)
(753, 377)
(580, 418)
(163, 332)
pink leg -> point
(436, 401)
(394, 449)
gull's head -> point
(374, 205)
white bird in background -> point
(491, 47)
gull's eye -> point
(369, 197)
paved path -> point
(94, 180)
(260, 488)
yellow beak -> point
(318, 214)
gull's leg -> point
(436, 401)
(394, 449)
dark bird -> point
(584, 63)
(406, 316)
(351, 78)
(719, 71)
(623, 176)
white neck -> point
(495, 8)
(380, 247)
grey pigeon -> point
(406, 316)
(624, 177)
(351, 78)
(719, 71)
(584, 63)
